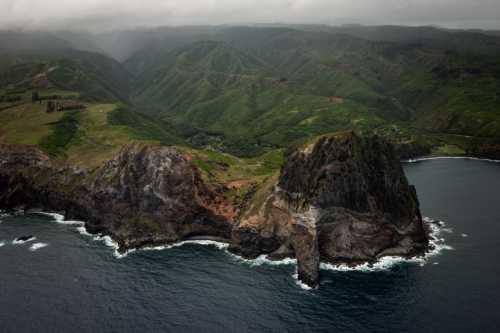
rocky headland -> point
(487, 150)
(339, 199)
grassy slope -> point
(90, 137)
(95, 77)
(26, 124)
(333, 83)
(83, 137)
(225, 92)
(255, 93)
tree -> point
(34, 96)
(51, 106)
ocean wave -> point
(219, 245)
(437, 245)
(83, 231)
(109, 242)
(37, 246)
(80, 227)
(2, 243)
(301, 284)
(59, 218)
(18, 241)
(2, 215)
(415, 160)
(263, 259)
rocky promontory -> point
(488, 150)
(144, 196)
(339, 199)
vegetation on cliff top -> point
(235, 98)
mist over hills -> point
(250, 89)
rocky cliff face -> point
(411, 150)
(488, 150)
(144, 196)
(342, 199)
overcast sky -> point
(98, 14)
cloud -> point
(91, 14)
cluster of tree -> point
(36, 97)
(10, 99)
(15, 91)
(53, 106)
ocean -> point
(65, 280)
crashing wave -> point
(2, 215)
(18, 241)
(263, 259)
(59, 218)
(437, 245)
(301, 284)
(37, 246)
(219, 245)
(2, 243)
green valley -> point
(237, 98)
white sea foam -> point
(264, 260)
(219, 245)
(37, 246)
(260, 260)
(415, 160)
(58, 218)
(2, 215)
(437, 245)
(83, 231)
(2, 243)
(80, 227)
(465, 235)
(109, 242)
(447, 230)
(18, 242)
(300, 283)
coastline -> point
(430, 158)
(436, 246)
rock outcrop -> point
(342, 199)
(144, 196)
(410, 150)
(488, 150)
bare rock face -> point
(144, 196)
(489, 150)
(159, 195)
(342, 199)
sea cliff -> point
(339, 199)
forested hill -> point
(249, 90)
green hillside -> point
(252, 90)
(261, 88)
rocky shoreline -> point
(340, 199)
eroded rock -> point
(340, 199)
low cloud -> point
(106, 14)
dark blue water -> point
(75, 284)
